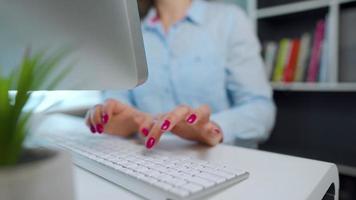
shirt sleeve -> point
(252, 114)
(122, 96)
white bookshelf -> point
(291, 8)
(333, 9)
(315, 87)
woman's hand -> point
(116, 118)
(188, 123)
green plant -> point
(36, 71)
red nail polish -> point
(99, 128)
(92, 129)
(192, 118)
(165, 125)
(217, 131)
(105, 118)
(144, 131)
(150, 142)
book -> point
(314, 63)
(290, 68)
(282, 55)
(303, 58)
(269, 57)
(324, 72)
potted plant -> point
(25, 173)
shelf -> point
(347, 170)
(315, 87)
(292, 8)
(345, 1)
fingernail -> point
(99, 128)
(105, 118)
(92, 129)
(144, 131)
(165, 125)
(150, 142)
(191, 119)
(217, 131)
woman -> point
(206, 79)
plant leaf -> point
(4, 113)
(34, 71)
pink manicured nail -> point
(150, 142)
(105, 118)
(217, 131)
(165, 125)
(144, 131)
(99, 128)
(192, 118)
(92, 129)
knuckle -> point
(172, 116)
(206, 108)
(98, 106)
(184, 108)
(110, 101)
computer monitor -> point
(104, 37)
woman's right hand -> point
(116, 118)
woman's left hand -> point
(187, 123)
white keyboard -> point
(149, 173)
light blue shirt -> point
(211, 57)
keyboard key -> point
(153, 173)
(179, 182)
(211, 177)
(191, 187)
(200, 181)
(180, 192)
(149, 179)
(191, 171)
(163, 185)
(184, 175)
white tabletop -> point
(272, 176)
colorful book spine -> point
(313, 69)
(303, 58)
(270, 54)
(324, 71)
(281, 60)
(292, 62)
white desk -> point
(272, 176)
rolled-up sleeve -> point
(252, 114)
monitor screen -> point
(104, 38)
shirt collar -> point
(195, 14)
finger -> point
(203, 114)
(154, 134)
(192, 118)
(88, 121)
(107, 110)
(95, 118)
(166, 123)
(211, 135)
(171, 119)
(145, 125)
(158, 116)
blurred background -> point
(316, 101)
